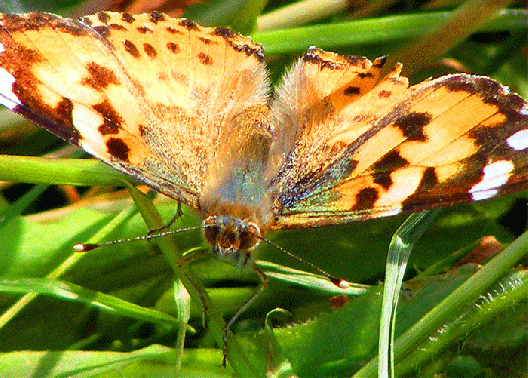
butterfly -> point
(187, 110)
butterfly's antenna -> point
(336, 281)
(82, 247)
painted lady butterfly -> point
(186, 109)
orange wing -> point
(147, 94)
(391, 148)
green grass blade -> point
(69, 291)
(370, 31)
(38, 170)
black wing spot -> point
(118, 149)
(131, 48)
(412, 125)
(365, 199)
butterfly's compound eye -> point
(222, 232)
(212, 230)
(249, 236)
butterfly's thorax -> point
(235, 196)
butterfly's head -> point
(231, 238)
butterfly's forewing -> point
(194, 79)
(65, 76)
(148, 94)
(453, 139)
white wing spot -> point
(2, 48)
(519, 140)
(87, 121)
(7, 97)
(496, 174)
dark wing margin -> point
(18, 91)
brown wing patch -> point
(131, 48)
(150, 50)
(173, 47)
(205, 59)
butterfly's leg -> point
(177, 216)
(265, 282)
(189, 259)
